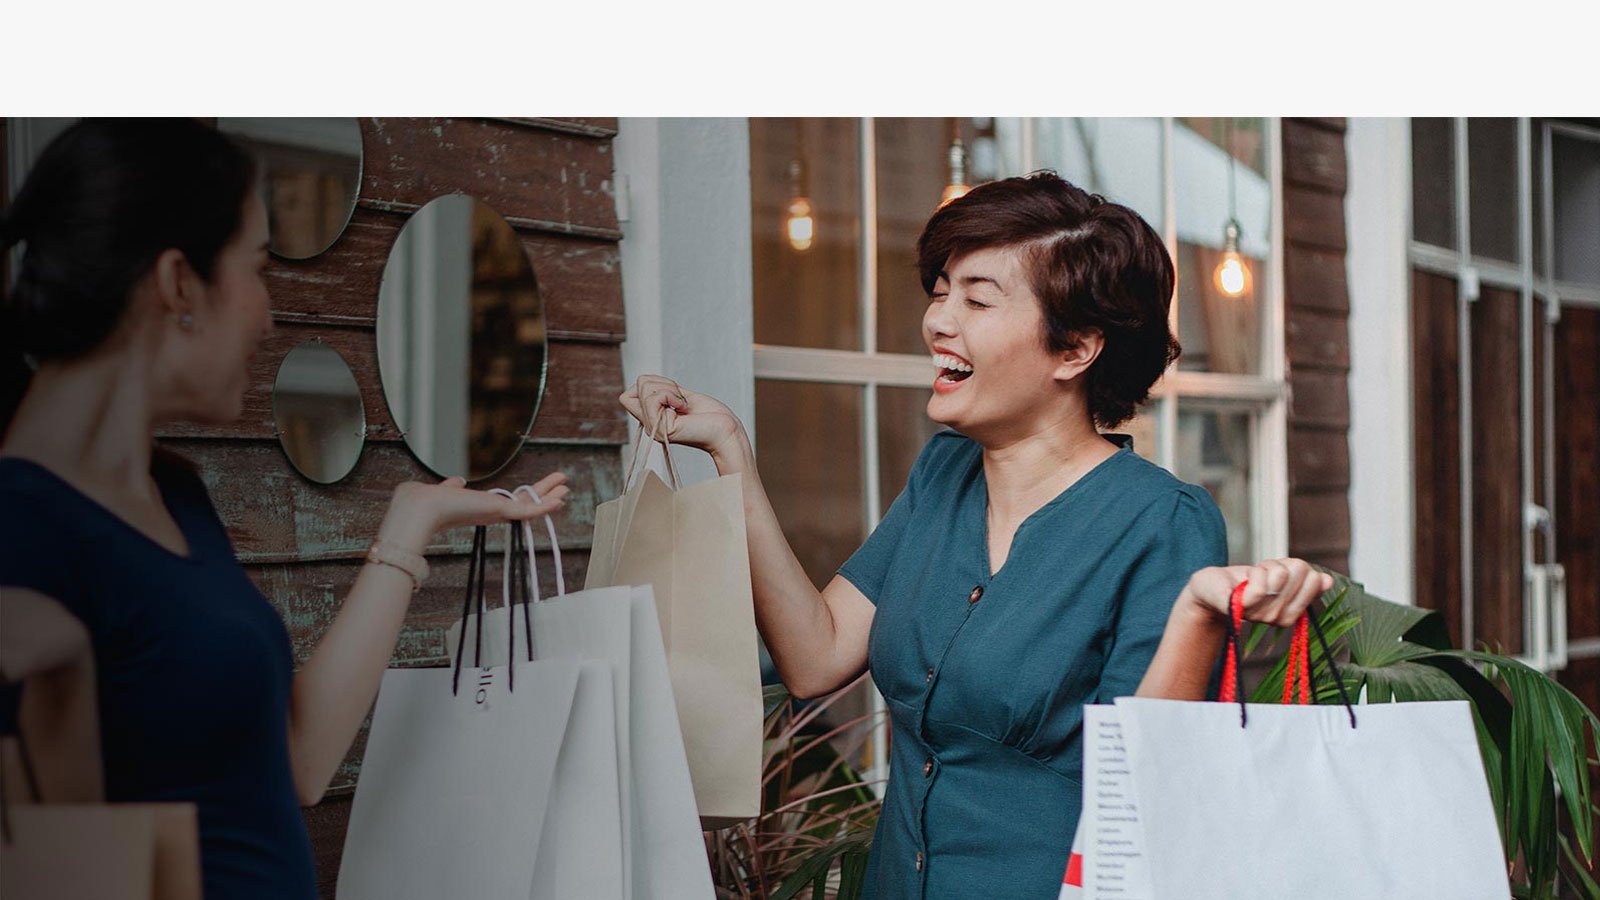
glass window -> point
(815, 485)
(1224, 213)
(1492, 170)
(1214, 452)
(903, 427)
(1433, 181)
(1117, 158)
(1575, 167)
(805, 229)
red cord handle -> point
(1296, 680)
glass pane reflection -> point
(1214, 452)
(815, 485)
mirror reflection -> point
(310, 171)
(317, 407)
(461, 338)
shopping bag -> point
(458, 774)
(689, 545)
(663, 851)
(1306, 801)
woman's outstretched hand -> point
(1278, 593)
(678, 416)
(419, 510)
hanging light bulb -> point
(958, 173)
(799, 223)
(1232, 276)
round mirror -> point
(310, 173)
(317, 407)
(461, 338)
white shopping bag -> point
(454, 784)
(1298, 803)
(663, 852)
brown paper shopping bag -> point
(689, 544)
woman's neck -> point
(90, 421)
(1025, 474)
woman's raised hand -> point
(419, 510)
(1278, 593)
(678, 416)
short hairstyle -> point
(1095, 266)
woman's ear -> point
(177, 284)
(1077, 358)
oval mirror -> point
(310, 174)
(317, 408)
(461, 338)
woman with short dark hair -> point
(1031, 565)
(140, 301)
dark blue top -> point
(985, 675)
(194, 669)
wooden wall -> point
(303, 542)
(1577, 490)
(1317, 340)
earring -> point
(186, 322)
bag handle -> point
(1297, 676)
(477, 575)
(555, 548)
(656, 434)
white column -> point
(1382, 476)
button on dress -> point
(985, 675)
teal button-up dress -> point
(985, 676)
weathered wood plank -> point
(1319, 524)
(1313, 217)
(1316, 279)
(272, 513)
(1314, 157)
(1496, 471)
(588, 127)
(1436, 423)
(1319, 459)
(1319, 398)
(1577, 469)
(525, 172)
(1330, 123)
(1318, 340)
(579, 277)
(579, 403)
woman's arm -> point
(334, 690)
(1278, 593)
(818, 639)
(48, 647)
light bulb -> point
(1232, 276)
(800, 225)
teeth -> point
(946, 361)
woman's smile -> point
(952, 371)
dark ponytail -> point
(102, 201)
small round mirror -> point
(461, 338)
(317, 407)
(310, 172)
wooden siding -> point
(1317, 340)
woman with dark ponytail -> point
(139, 301)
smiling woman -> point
(1031, 565)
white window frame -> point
(1263, 397)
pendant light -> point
(799, 223)
(1232, 275)
(958, 168)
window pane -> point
(1575, 164)
(1214, 452)
(1220, 176)
(913, 162)
(1433, 181)
(1119, 158)
(903, 427)
(1492, 191)
(815, 484)
(806, 277)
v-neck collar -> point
(105, 512)
(981, 508)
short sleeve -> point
(868, 567)
(1180, 537)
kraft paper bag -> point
(690, 546)
(1298, 803)
(454, 785)
(663, 852)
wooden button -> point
(927, 768)
(919, 860)
(976, 595)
